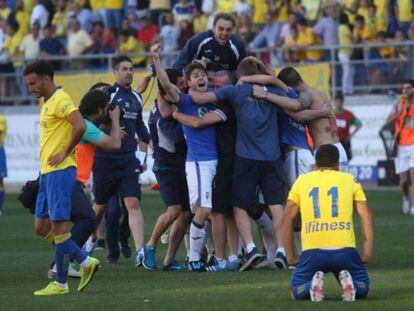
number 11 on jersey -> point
(315, 198)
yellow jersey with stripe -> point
(55, 130)
(326, 202)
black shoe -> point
(280, 261)
(126, 251)
(196, 266)
(250, 260)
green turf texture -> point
(24, 261)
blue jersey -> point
(204, 46)
(257, 122)
(167, 140)
(201, 143)
(130, 102)
(292, 132)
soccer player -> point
(217, 45)
(3, 165)
(257, 163)
(117, 171)
(201, 158)
(322, 130)
(61, 128)
(326, 199)
(222, 211)
(169, 152)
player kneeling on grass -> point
(325, 198)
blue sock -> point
(301, 292)
(1, 196)
(362, 289)
(66, 250)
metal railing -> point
(372, 74)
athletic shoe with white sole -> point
(316, 290)
(265, 264)
(347, 285)
(72, 271)
(406, 205)
(139, 258)
(250, 260)
(281, 261)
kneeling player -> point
(325, 198)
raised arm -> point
(291, 211)
(143, 84)
(170, 89)
(367, 228)
(283, 102)
(198, 122)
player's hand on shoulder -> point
(259, 92)
(57, 158)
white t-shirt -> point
(242, 8)
(30, 47)
(169, 35)
(39, 14)
(285, 32)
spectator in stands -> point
(327, 29)
(133, 22)
(147, 33)
(363, 9)
(157, 9)
(50, 46)
(307, 38)
(405, 15)
(113, 9)
(29, 47)
(242, 7)
(381, 16)
(169, 36)
(142, 8)
(199, 21)
(285, 34)
(183, 9)
(411, 32)
(12, 44)
(348, 125)
(39, 14)
(104, 40)
(225, 6)
(79, 42)
(6, 65)
(130, 6)
(20, 17)
(244, 29)
(84, 15)
(259, 11)
(130, 45)
(186, 32)
(268, 37)
(208, 7)
(60, 21)
(311, 9)
(292, 54)
(4, 10)
(126, 25)
(98, 6)
(344, 55)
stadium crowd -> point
(32, 29)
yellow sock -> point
(49, 237)
(62, 238)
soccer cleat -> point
(406, 205)
(72, 271)
(347, 284)
(264, 264)
(280, 261)
(174, 266)
(52, 289)
(125, 249)
(149, 261)
(87, 273)
(90, 245)
(196, 266)
(139, 258)
(250, 260)
(316, 289)
(412, 210)
(233, 265)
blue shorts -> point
(334, 261)
(116, 176)
(54, 199)
(172, 184)
(252, 174)
(3, 164)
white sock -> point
(281, 250)
(61, 285)
(250, 246)
(233, 258)
(221, 262)
(268, 238)
(197, 236)
(86, 262)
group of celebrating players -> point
(228, 141)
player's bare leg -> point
(277, 217)
(136, 224)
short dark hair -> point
(409, 81)
(343, 19)
(173, 75)
(99, 85)
(214, 66)
(119, 59)
(92, 101)
(40, 68)
(360, 18)
(247, 67)
(339, 95)
(290, 77)
(125, 33)
(224, 16)
(191, 67)
(327, 156)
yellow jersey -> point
(55, 130)
(132, 46)
(326, 202)
(405, 13)
(3, 129)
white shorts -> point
(297, 162)
(343, 158)
(200, 177)
(405, 159)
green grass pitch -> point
(24, 260)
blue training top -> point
(201, 143)
(257, 122)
